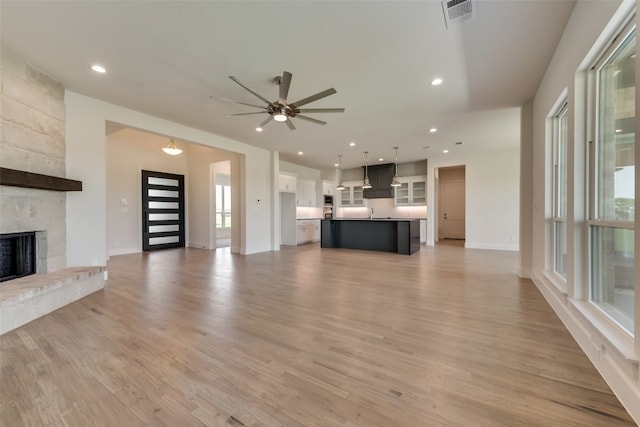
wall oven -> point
(327, 207)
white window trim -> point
(594, 312)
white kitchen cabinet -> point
(423, 231)
(306, 193)
(352, 195)
(307, 231)
(412, 191)
(316, 231)
(287, 183)
(328, 188)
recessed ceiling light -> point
(352, 144)
(458, 142)
(98, 68)
(258, 129)
(618, 130)
(381, 159)
(426, 147)
(433, 130)
(335, 165)
(445, 151)
(437, 81)
(300, 153)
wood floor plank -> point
(304, 337)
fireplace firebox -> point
(17, 255)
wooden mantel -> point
(16, 178)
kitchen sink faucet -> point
(371, 213)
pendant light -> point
(340, 185)
(366, 184)
(171, 148)
(395, 182)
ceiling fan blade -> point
(245, 114)
(290, 124)
(285, 82)
(267, 120)
(320, 110)
(256, 94)
(236, 102)
(310, 119)
(312, 98)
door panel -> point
(162, 210)
(453, 210)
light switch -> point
(124, 202)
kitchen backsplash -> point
(383, 208)
(306, 212)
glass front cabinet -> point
(412, 192)
(352, 195)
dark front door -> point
(162, 210)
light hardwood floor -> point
(305, 337)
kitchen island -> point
(390, 235)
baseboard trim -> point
(622, 375)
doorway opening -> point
(451, 205)
(221, 219)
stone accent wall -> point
(32, 139)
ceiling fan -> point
(281, 110)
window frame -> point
(595, 223)
(557, 144)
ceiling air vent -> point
(457, 11)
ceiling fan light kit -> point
(280, 110)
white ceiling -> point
(167, 58)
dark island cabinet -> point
(400, 236)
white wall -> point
(300, 171)
(144, 151)
(615, 354)
(129, 151)
(491, 197)
(86, 159)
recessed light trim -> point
(98, 68)
(300, 153)
(436, 82)
(352, 144)
(258, 129)
(433, 130)
(381, 159)
(445, 151)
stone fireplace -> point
(33, 199)
(33, 140)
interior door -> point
(453, 218)
(162, 210)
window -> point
(612, 176)
(223, 202)
(559, 147)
